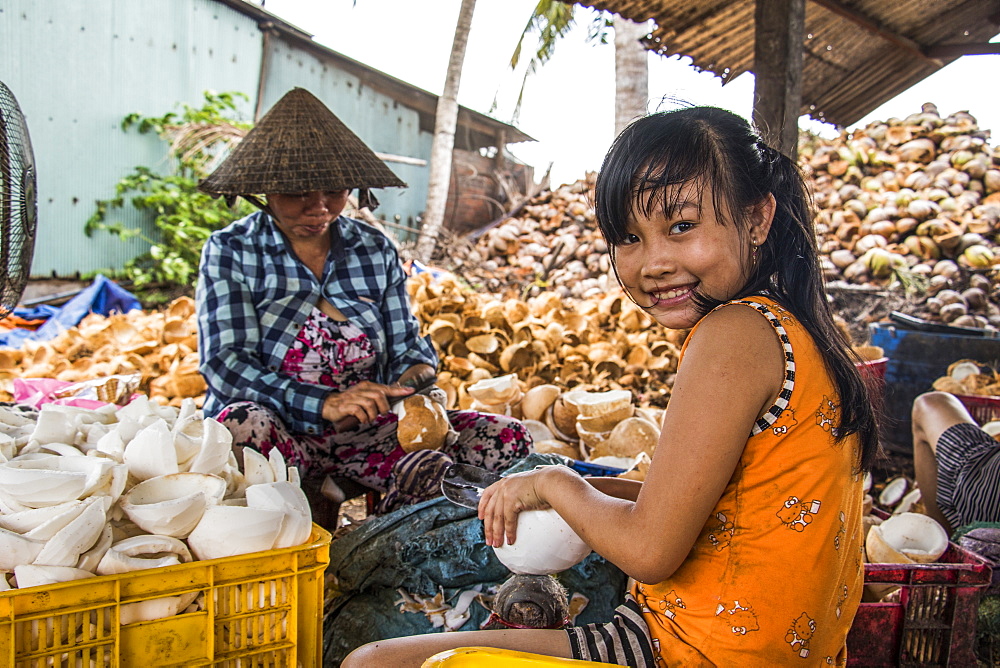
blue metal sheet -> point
(77, 69)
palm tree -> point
(631, 71)
(552, 19)
(445, 121)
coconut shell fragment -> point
(423, 423)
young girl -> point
(744, 541)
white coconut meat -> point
(544, 544)
(172, 505)
(963, 370)
(992, 428)
(38, 575)
(594, 404)
(906, 538)
(906, 504)
(893, 492)
(227, 531)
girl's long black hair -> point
(718, 152)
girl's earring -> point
(753, 250)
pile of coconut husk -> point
(551, 245)
(158, 349)
(600, 342)
(906, 208)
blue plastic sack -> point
(434, 548)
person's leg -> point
(933, 413)
(412, 651)
(260, 428)
(365, 455)
(491, 441)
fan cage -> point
(18, 208)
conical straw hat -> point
(299, 146)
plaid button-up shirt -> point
(254, 295)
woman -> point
(304, 325)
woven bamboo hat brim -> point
(299, 146)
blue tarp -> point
(430, 548)
(103, 296)
(41, 312)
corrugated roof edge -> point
(266, 19)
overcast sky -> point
(569, 105)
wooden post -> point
(779, 28)
(499, 161)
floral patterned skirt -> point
(339, 355)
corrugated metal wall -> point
(77, 68)
(387, 126)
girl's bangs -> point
(659, 188)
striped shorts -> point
(623, 641)
(968, 480)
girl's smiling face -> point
(668, 257)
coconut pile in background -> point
(601, 342)
(552, 244)
(915, 203)
(910, 206)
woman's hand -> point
(361, 403)
(503, 500)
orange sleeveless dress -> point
(776, 575)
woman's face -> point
(307, 215)
(663, 261)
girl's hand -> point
(361, 403)
(503, 500)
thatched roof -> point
(858, 54)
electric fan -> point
(18, 209)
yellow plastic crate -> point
(259, 609)
(490, 657)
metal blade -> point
(463, 484)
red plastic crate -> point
(874, 369)
(934, 621)
(982, 408)
(873, 373)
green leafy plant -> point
(183, 216)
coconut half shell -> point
(905, 539)
(561, 418)
(500, 390)
(630, 437)
(593, 404)
(605, 421)
(557, 447)
(423, 423)
(893, 492)
(537, 400)
(639, 468)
